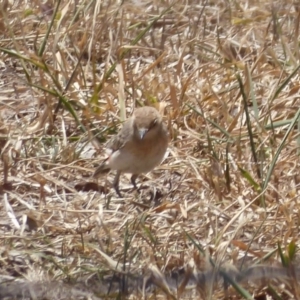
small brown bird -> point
(138, 147)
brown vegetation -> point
(225, 75)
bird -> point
(138, 147)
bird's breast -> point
(138, 157)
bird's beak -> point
(142, 132)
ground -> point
(225, 77)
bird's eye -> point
(153, 123)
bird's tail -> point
(102, 169)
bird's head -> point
(147, 122)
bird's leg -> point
(133, 179)
(116, 184)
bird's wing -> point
(119, 140)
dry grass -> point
(225, 76)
